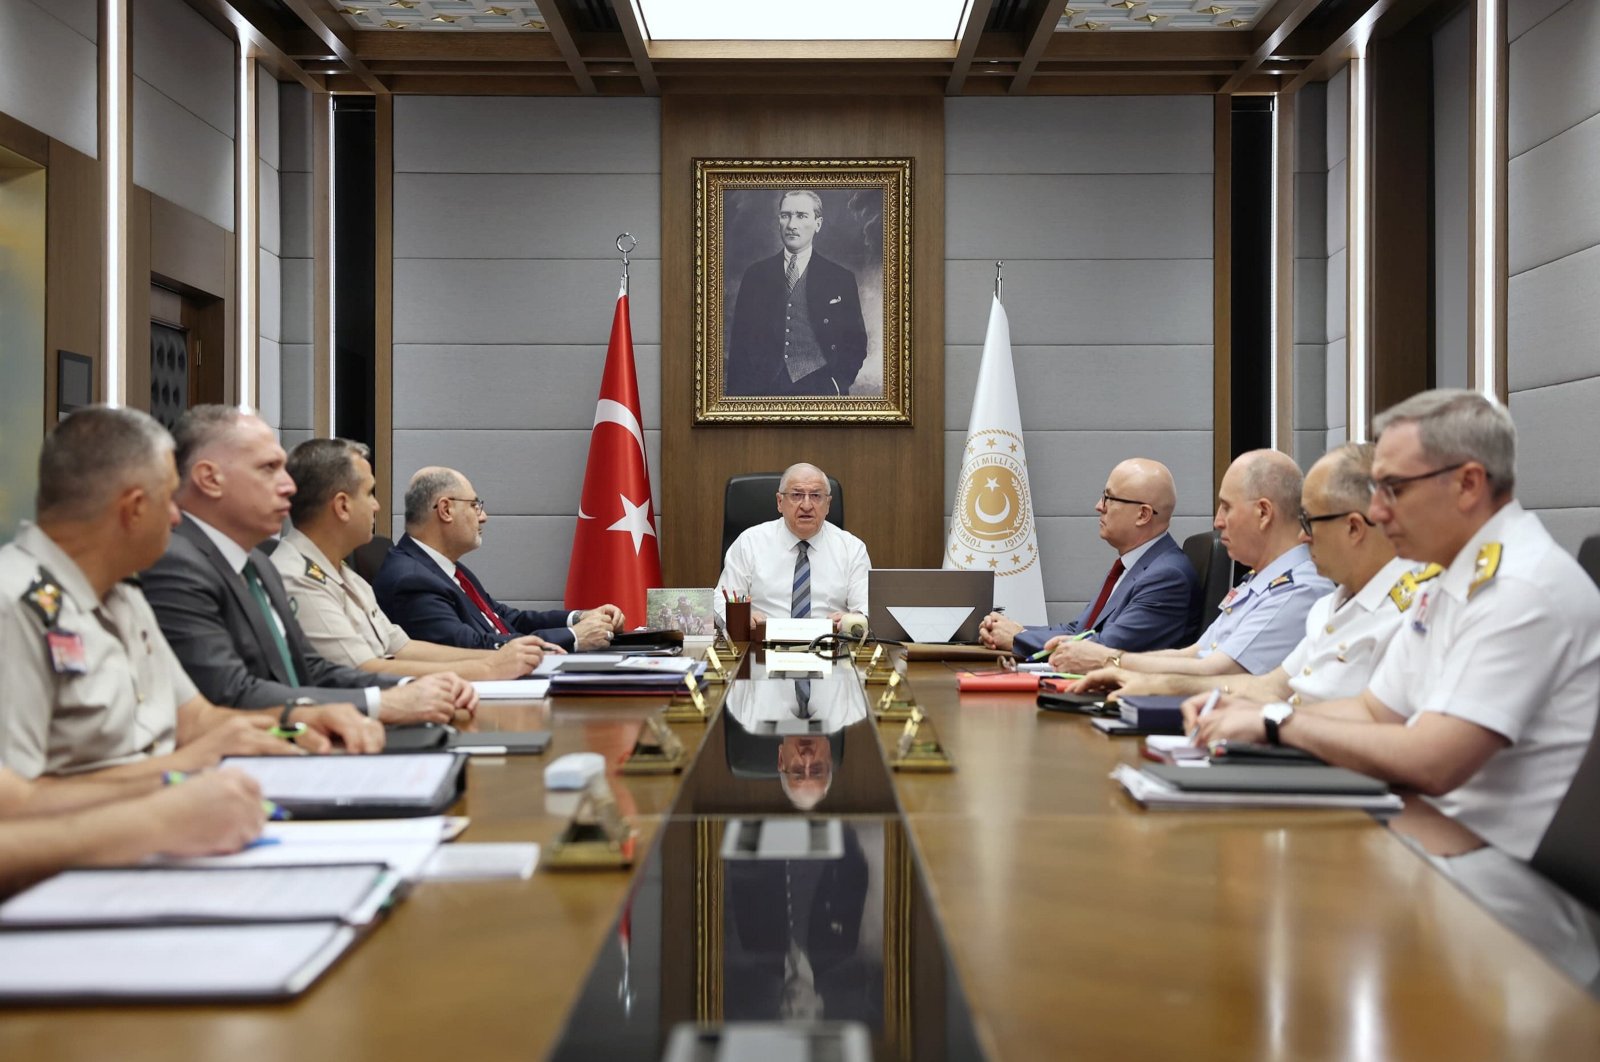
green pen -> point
(1080, 636)
(274, 812)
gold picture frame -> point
(850, 226)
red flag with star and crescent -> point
(615, 558)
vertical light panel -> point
(248, 242)
(117, 173)
(333, 276)
(1274, 376)
(1488, 198)
(1358, 296)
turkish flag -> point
(615, 558)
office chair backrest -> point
(1569, 852)
(1215, 568)
(751, 499)
(366, 560)
(1589, 557)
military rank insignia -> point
(43, 596)
(1405, 588)
(314, 571)
(66, 652)
(1484, 567)
(1285, 579)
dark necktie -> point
(252, 579)
(800, 602)
(1105, 592)
(791, 271)
(802, 698)
(477, 599)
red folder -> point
(997, 682)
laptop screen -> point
(928, 604)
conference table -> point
(1020, 906)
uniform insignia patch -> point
(1484, 567)
(1283, 580)
(314, 571)
(1405, 588)
(66, 652)
(43, 596)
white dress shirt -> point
(1346, 638)
(760, 564)
(833, 703)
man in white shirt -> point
(333, 512)
(799, 564)
(1348, 631)
(1486, 701)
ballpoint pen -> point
(274, 812)
(1080, 636)
(1211, 702)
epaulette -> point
(1405, 588)
(1282, 580)
(1484, 567)
(314, 571)
(43, 597)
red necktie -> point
(483, 606)
(1105, 591)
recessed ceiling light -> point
(865, 20)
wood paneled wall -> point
(74, 251)
(891, 476)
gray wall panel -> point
(522, 134)
(180, 157)
(1452, 221)
(295, 267)
(1571, 526)
(49, 71)
(524, 215)
(433, 398)
(295, 391)
(1334, 302)
(1551, 192)
(1051, 216)
(1308, 446)
(1083, 134)
(1310, 403)
(1558, 455)
(269, 122)
(1310, 301)
(269, 403)
(520, 300)
(1338, 128)
(1311, 129)
(1090, 303)
(271, 210)
(298, 294)
(1553, 77)
(186, 58)
(1310, 213)
(1311, 263)
(1524, 15)
(295, 129)
(289, 438)
(1335, 234)
(1553, 322)
(294, 214)
(1335, 385)
(1068, 385)
(271, 297)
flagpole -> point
(999, 281)
(625, 251)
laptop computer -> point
(928, 604)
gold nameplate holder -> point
(688, 705)
(656, 750)
(896, 703)
(918, 747)
(725, 645)
(715, 671)
(598, 837)
(878, 667)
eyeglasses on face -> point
(476, 503)
(1306, 519)
(1107, 497)
(799, 772)
(1385, 489)
(799, 497)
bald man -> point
(1151, 597)
(1258, 513)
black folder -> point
(406, 785)
(1264, 779)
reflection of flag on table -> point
(614, 549)
(991, 525)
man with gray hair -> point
(91, 683)
(797, 326)
(334, 512)
(1259, 621)
(799, 564)
(1486, 701)
(424, 587)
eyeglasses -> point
(1107, 496)
(798, 497)
(1384, 489)
(476, 503)
(1306, 519)
(799, 772)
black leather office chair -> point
(1589, 557)
(1215, 568)
(1569, 853)
(751, 498)
(366, 560)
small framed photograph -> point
(686, 609)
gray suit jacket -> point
(221, 637)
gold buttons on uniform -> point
(1307, 671)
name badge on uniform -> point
(1419, 624)
(66, 652)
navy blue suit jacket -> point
(1156, 606)
(414, 592)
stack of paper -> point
(618, 673)
(404, 845)
(1254, 787)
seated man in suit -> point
(1347, 632)
(94, 822)
(1151, 596)
(333, 510)
(1263, 619)
(424, 587)
(799, 564)
(221, 603)
(91, 684)
(1486, 701)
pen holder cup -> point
(738, 620)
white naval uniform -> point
(1515, 650)
(1347, 636)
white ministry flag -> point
(991, 527)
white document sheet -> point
(405, 845)
(327, 779)
(513, 690)
(180, 962)
(679, 664)
(143, 895)
(482, 862)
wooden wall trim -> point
(892, 476)
(383, 298)
(25, 140)
(1222, 290)
(74, 266)
(142, 257)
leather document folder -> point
(1264, 779)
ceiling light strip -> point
(333, 279)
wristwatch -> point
(1273, 716)
(1114, 660)
(290, 706)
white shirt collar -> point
(804, 257)
(236, 555)
(1370, 597)
(445, 564)
(1130, 558)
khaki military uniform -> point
(335, 607)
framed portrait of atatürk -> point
(802, 291)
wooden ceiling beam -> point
(1038, 41)
(638, 47)
(329, 25)
(555, 16)
(1274, 28)
(1362, 19)
(971, 35)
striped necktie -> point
(802, 698)
(791, 271)
(800, 603)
